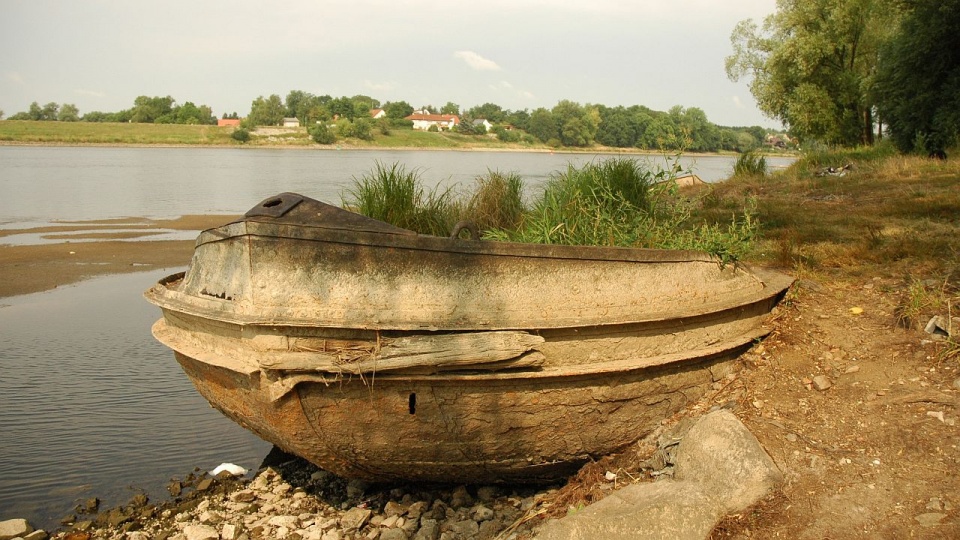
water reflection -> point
(92, 405)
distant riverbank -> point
(19, 132)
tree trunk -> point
(867, 131)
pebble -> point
(14, 528)
(852, 369)
(930, 519)
(821, 382)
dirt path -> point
(876, 454)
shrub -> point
(750, 164)
(321, 134)
(241, 134)
(395, 195)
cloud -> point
(14, 77)
(378, 87)
(91, 93)
(476, 61)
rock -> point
(429, 530)
(356, 488)
(466, 528)
(89, 506)
(204, 484)
(13, 528)
(821, 382)
(200, 532)
(934, 504)
(721, 469)
(354, 519)
(38, 534)
(930, 519)
(175, 488)
(487, 494)
(417, 509)
(332, 534)
(936, 414)
(393, 534)
(244, 496)
(393, 508)
(228, 532)
(461, 498)
(851, 369)
(290, 522)
(956, 383)
(481, 513)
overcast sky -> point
(519, 54)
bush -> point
(241, 134)
(321, 134)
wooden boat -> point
(381, 354)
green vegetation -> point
(113, 133)
(918, 86)
(617, 202)
(567, 125)
(750, 164)
(394, 195)
(826, 68)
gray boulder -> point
(720, 469)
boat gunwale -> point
(255, 227)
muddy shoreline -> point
(34, 268)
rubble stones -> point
(13, 528)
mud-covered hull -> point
(379, 354)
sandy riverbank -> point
(94, 248)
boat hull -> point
(380, 354)
(486, 430)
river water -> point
(90, 404)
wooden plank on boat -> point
(497, 350)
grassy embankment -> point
(80, 133)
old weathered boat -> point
(381, 354)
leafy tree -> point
(68, 113)
(577, 125)
(398, 110)
(616, 129)
(149, 109)
(488, 111)
(918, 84)
(542, 125)
(266, 111)
(450, 108)
(517, 119)
(297, 104)
(812, 65)
(50, 112)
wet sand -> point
(27, 269)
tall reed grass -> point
(616, 202)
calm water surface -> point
(90, 403)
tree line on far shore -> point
(568, 123)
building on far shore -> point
(291, 122)
(377, 114)
(234, 122)
(423, 121)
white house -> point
(424, 121)
(291, 122)
(376, 114)
(482, 123)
